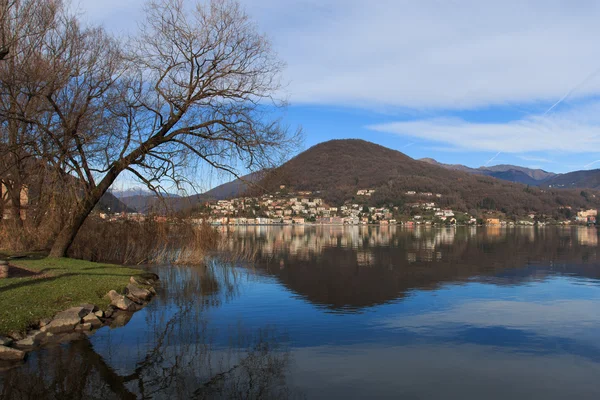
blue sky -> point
(465, 81)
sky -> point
(461, 81)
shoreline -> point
(82, 316)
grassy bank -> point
(41, 288)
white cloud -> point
(426, 54)
(536, 159)
(575, 130)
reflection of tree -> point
(184, 357)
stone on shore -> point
(93, 320)
(32, 339)
(147, 278)
(5, 341)
(89, 308)
(16, 335)
(65, 321)
(44, 322)
(10, 354)
(135, 293)
(121, 302)
(99, 314)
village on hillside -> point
(286, 207)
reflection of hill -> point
(348, 273)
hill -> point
(149, 202)
(338, 168)
(138, 191)
(578, 179)
(507, 172)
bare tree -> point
(24, 25)
(196, 86)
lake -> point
(351, 312)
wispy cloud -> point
(536, 159)
(576, 130)
(422, 55)
(591, 164)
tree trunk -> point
(67, 235)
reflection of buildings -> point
(305, 241)
(587, 236)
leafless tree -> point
(24, 25)
(197, 85)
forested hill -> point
(338, 168)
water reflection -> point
(349, 268)
(352, 312)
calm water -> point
(356, 312)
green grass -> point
(63, 283)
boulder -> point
(135, 293)
(93, 320)
(73, 312)
(99, 314)
(121, 302)
(5, 341)
(65, 321)
(44, 322)
(16, 335)
(32, 339)
(85, 327)
(10, 354)
(147, 278)
(89, 308)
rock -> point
(85, 327)
(108, 313)
(73, 312)
(152, 290)
(3, 262)
(135, 293)
(99, 314)
(136, 280)
(65, 321)
(10, 354)
(147, 278)
(16, 335)
(44, 322)
(89, 308)
(5, 341)
(121, 302)
(31, 340)
(93, 320)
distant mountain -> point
(536, 174)
(589, 179)
(512, 173)
(338, 168)
(454, 167)
(110, 203)
(138, 191)
(146, 203)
